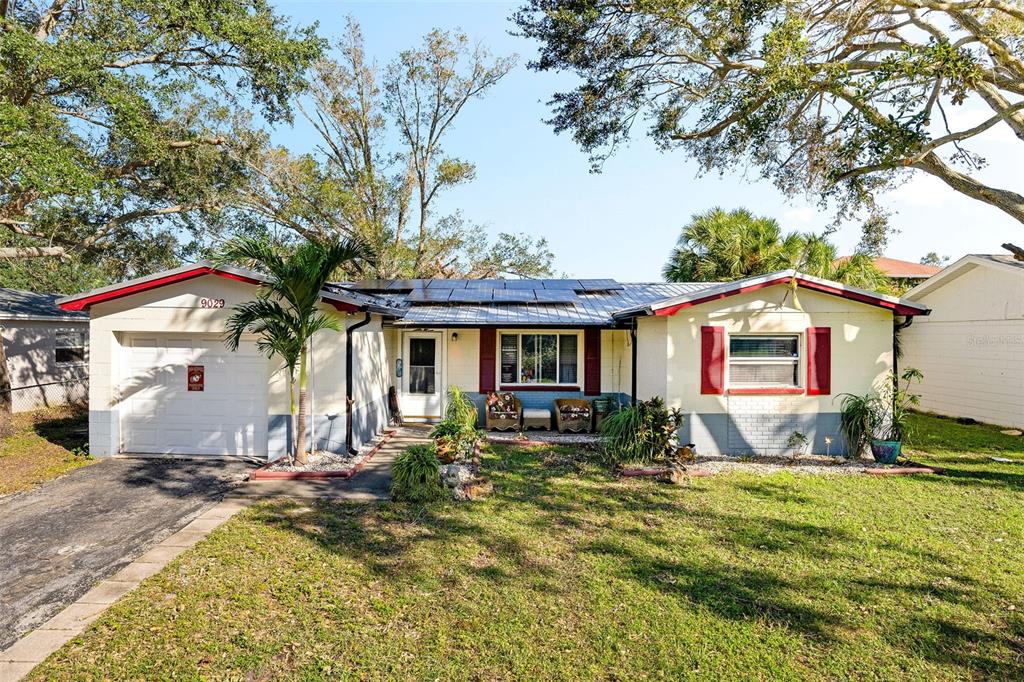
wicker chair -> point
(574, 414)
(503, 411)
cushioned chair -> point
(574, 414)
(503, 411)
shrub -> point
(460, 408)
(883, 415)
(416, 475)
(641, 433)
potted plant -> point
(880, 419)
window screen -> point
(539, 358)
(764, 360)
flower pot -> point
(445, 450)
(885, 451)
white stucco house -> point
(971, 348)
(47, 350)
(748, 362)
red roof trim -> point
(897, 308)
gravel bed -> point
(552, 437)
(806, 464)
(322, 460)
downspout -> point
(632, 376)
(349, 401)
(897, 327)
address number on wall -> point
(211, 303)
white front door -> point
(421, 378)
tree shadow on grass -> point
(610, 529)
(65, 427)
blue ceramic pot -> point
(886, 451)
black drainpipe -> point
(896, 328)
(349, 401)
(632, 339)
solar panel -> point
(599, 285)
(561, 283)
(429, 295)
(405, 284)
(487, 284)
(469, 296)
(447, 284)
(514, 296)
(555, 296)
(522, 284)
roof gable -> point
(962, 266)
(670, 306)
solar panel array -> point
(441, 291)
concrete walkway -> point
(371, 484)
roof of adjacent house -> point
(16, 304)
(955, 270)
(901, 269)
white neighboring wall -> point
(37, 379)
(971, 347)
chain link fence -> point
(49, 394)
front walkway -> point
(371, 484)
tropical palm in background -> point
(721, 246)
(286, 312)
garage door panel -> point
(159, 414)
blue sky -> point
(623, 222)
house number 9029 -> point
(211, 303)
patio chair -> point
(503, 411)
(574, 414)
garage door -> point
(225, 413)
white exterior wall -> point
(861, 357)
(971, 347)
(616, 361)
(176, 308)
(37, 380)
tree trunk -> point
(5, 384)
(300, 428)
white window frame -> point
(797, 362)
(57, 346)
(557, 333)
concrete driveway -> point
(59, 539)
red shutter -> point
(712, 359)
(592, 361)
(488, 358)
(819, 360)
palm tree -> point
(286, 313)
(719, 246)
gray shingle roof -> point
(15, 303)
(1000, 258)
(592, 301)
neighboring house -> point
(971, 349)
(47, 350)
(749, 362)
(905, 273)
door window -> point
(422, 361)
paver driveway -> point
(59, 539)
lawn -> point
(568, 573)
(40, 445)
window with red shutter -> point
(819, 361)
(712, 360)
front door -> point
(421, 382)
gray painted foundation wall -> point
(761, 434)
(329, 434)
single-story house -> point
(748, 362)
(47, 350)
(904, 273)
(971, 349)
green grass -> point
(41, 445)
(566, 573)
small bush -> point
(642, 433)
(461, 409)
(416, 475)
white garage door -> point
(160, 415)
